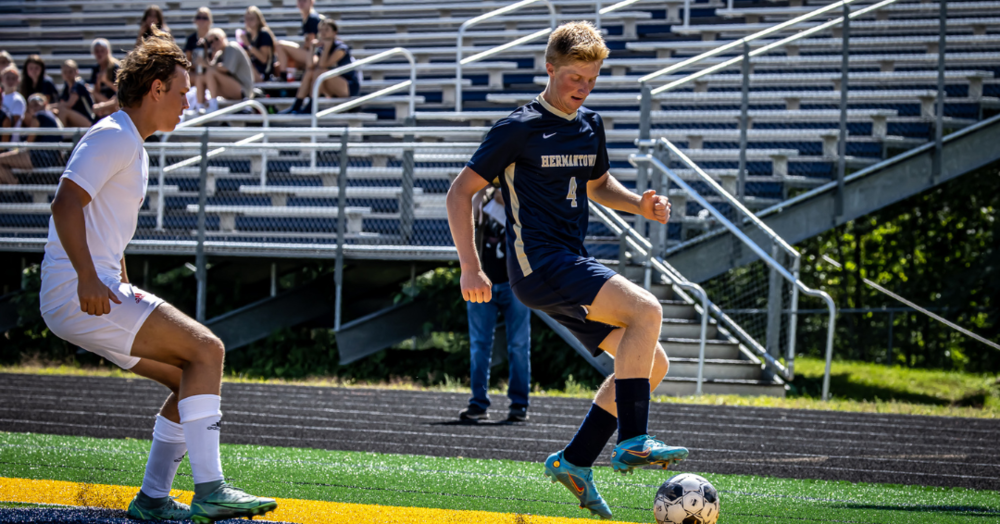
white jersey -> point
(111, 165)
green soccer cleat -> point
(145, 508)
(229, 502)
(643, 451)
(579, 482)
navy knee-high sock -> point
(590, 439)
(632, 399)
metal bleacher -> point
(380, 173)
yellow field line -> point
(290, 510)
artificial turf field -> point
(339, 485)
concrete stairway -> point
(730, 368)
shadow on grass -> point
(842, 387)
(964, 511)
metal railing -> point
(632, 239)
(340, 108)
(459, 61)
(191, 124)
(599, 11)
(786, 371)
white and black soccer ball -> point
(686, 499)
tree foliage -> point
(939, 249)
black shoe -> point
(296, 106)
(473, 412)
(517, 414)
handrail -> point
(339, 108)
(459, 61)
(729, 198)
(764, 256)
(634, 239)
(189, 124)
(761, 50)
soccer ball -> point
(686, 499)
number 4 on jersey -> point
(572, 192)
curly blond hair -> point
(156, 58)
(576, 41)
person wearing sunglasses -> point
(192, 50)
(228, 73)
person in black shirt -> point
(152, 16)
(104, 87)
(492, 246)
(259, 43)
(330, 53)
(35, 80)
(193, 51)
(75, 106)
(290, 54)
(34, 116)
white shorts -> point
(111, 335)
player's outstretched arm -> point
(610, 192)
(476, 287)
(67, 215)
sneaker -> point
(145, 508)
(229, 502)
(473, 412)
(517, 414)
(645, 450)
(579, 482)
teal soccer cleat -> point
(145, 508)
(643, 451)
(229, 502)
(579, 481)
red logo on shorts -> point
(138, 297)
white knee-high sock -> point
(200, 416)
(165, 456)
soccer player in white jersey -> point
(551, 156)
(86, 297)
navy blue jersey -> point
(544, 159)
(310, 26)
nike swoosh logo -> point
(546, 136)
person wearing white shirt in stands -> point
(13, 103)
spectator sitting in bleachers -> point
(5, 122)
(228, 72)
(35, 116)
(291, 54)
(75, 107)
(34, 80)
(13, 103)
(153, 15)
(330, 53)
(104, 88)
(194, 46)
(258, 40)
(5, 60)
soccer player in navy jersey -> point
(551, 156)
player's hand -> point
(95, 297)
(655, 207)
(476, 287)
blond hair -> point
(576, 41)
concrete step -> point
(660, 291)
(749, 388)
(678, 309)
(689, 347)
(683, 328)
(715, 369)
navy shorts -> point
(45, 158)
(564, 286)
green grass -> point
(855, 386)
(489, 485)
